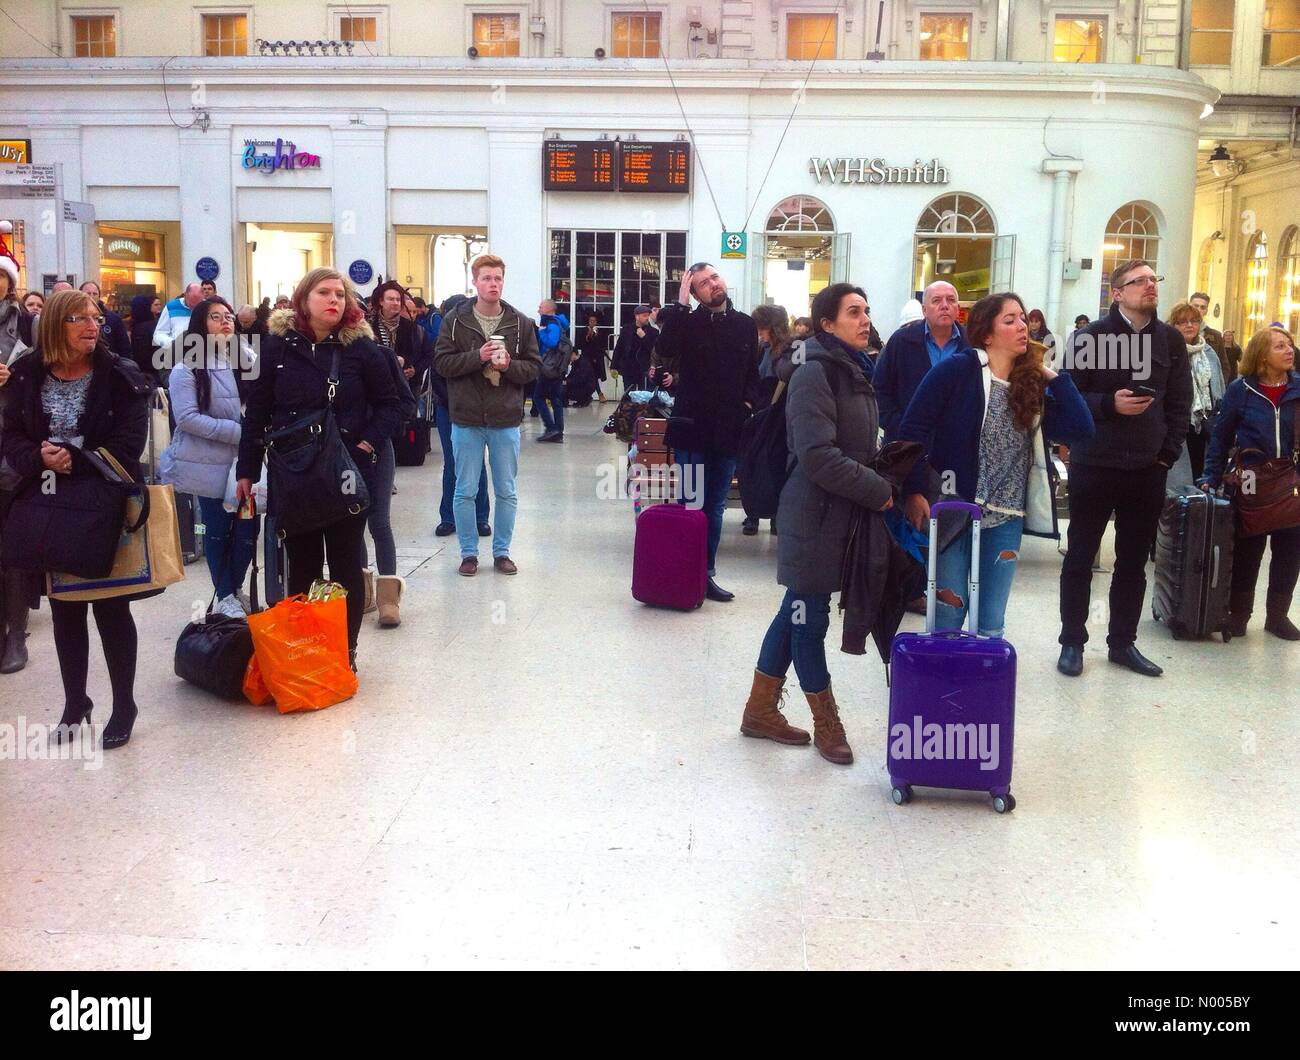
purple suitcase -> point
(952, 697)
(670, 557)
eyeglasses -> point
(222, 318)
(1152, 280)
(98, 321)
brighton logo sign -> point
(286, 156)
(876, 171)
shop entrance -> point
(432, 261)
(279, 255)
(798, 254)
(957, 241)
(133, 259)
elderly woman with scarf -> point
(1207, 382)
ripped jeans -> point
(999, 551)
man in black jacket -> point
(1132, 370)
(634, 348)
(711, 356)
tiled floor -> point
(540, 772)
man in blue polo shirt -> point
(913, 350)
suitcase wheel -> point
(1004, 803)
(902, 794)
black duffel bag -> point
(69, 523)
(213, 654)
(312, 480)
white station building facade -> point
(993, 175)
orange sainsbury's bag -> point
(255, 690)
(301, 649)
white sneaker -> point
(230, 607)
(245, 602)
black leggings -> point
(72, 643)
(1283, 568)
(345, 544)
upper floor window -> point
(1079, 40)
(945, 36)
(636, 36)
(1282, 33)
(1211, 40)
(363, 29)
(496, 36)
(94, 36)
(810, 36)
(225, 34)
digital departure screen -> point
(662, 167)
(578, 165)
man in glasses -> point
(1132, 370)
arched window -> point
(800, 213)
(1288, 267)
(1132, 232)
(801, 253)
(1205, 265)
(954, 242)
(1255, 310)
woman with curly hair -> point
(984, 416)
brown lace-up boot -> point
(763, 718)
(828, 733)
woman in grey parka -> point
(832, 427)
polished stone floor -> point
(540, 772)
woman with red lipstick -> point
(324, 318)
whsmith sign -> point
(875, 171)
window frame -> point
(1288, 258)
(114, 13)
(1090, 13)
(1107, 293)
(1253, 283)
(957, 10)
(1293, 31)
(614, 11)
(378, 12)
(519, 11)
(1230, 33)
(227, 10)
(819, 11)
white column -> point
(516, 217)
(60, 144)
(361, 229)
(726, 156)
(207, 205)
(1062, 171)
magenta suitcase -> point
(670, 557)
(952, 697)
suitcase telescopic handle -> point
(932, 563)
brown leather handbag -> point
(1266, 494)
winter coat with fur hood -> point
(292, 382)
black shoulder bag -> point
(312, 481)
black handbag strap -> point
(111, 474)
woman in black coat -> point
(73, 395)
(145, 310)
(325, 316)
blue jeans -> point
(445, 512)
(550, 391)
(379, 481)
(227, 577)
(999, 551)
(798, 634)
(714, 474)
(502, 445)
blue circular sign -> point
(207, 269)
(360, 271)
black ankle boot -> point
(71, 721)
(15, 652)
(1277, 622)
(118, 730)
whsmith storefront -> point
(588, 180)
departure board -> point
(654, 167)
(578, 165)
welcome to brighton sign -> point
(875, 171)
